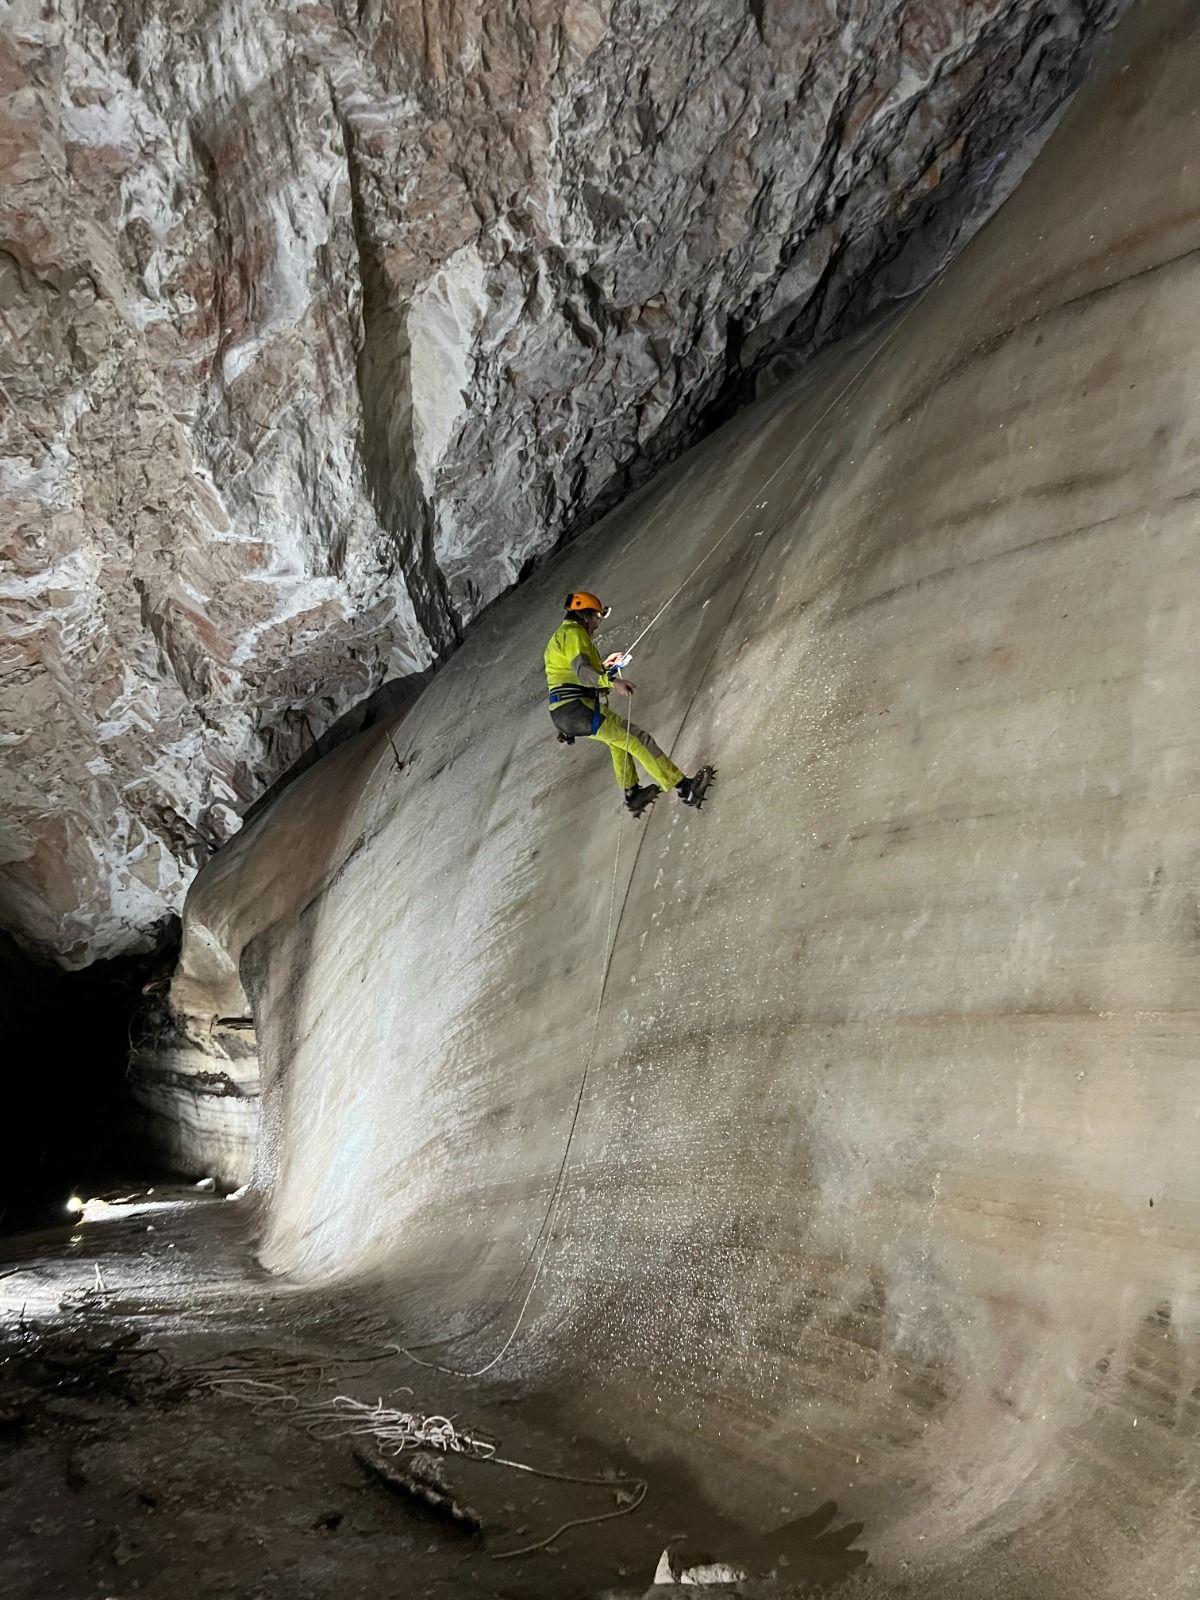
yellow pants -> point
(630, 744)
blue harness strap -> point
(570, 693)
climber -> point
(579, 684)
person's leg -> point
(625, 742)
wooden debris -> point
(420, 1479)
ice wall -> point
(884, 1183)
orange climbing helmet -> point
(583, 600)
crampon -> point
(692, 791)
(641, 797)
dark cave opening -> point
(67, 1044)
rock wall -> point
(320, 323)
(883, 1186)
(194, 1096)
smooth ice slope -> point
(885, 1185)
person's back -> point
(578, 683)
(569, 648)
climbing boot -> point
(693, 790)
(640, 797)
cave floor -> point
(129, 1465)
(124, 1470)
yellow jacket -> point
(573, 663)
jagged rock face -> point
(321, 322)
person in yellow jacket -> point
(579, 683)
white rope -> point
(876, 352)
(543, 1236)
(546, 1229)
(343, 1416)
(637, 1494)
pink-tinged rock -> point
(320, 325)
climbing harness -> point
(579, 713)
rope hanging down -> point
(610, 944)
(545, 1230)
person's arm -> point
(587, 665)
(588, 674)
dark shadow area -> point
(66, 1037)
(394, 698)
(867, 278)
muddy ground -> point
(130, 1465)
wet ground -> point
(135, 1459)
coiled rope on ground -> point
(393, 1430)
